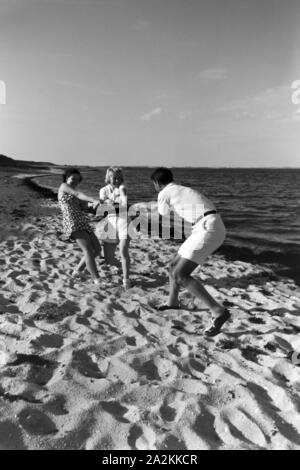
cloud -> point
(273, 104)
(213, 74)
(140, 25)
(85, 87)
(149, 116)
(185, 115)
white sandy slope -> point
(99, 368)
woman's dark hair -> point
(162, 176)
(69, 172)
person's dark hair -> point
(69, 172)
(162, 176)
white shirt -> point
(187, 203)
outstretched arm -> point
(123, 195)
(83, 197)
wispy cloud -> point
(185, 115)
(214, 74)
(273, 104)
(140, 25)
(152, 114)
(85, 86)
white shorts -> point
(112, 229)
(206, 237)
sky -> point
(150, 82)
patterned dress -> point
(73, 217)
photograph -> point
(149, 227)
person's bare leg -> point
(83, 240)
(96, 249)
(79, 268)
(173, 285)
(95, 244)
(125, 259)
(182, 274)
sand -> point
(83, 367)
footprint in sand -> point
(244, 428)
(251, 354)
(131, 340)
(56, 405)
(85, 365)
(52, 312)
(41, 370)
(193, 368)
(270, 347)
(147, 369)
(257, 321)
(116, 410)
(180, 349)
(134, 434)
(204, 427)
(48, 341)
(228, 345)
(36, 423)
(168, 413)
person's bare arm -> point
(65, 188)
(104, 199)
(123, 195)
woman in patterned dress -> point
(75, 223)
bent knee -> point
(88, 251)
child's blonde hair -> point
(114, 171)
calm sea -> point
(260, 207)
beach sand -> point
(85, 367)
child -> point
(208, 234)
(75, 224)
(115, 194)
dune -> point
(83, 367)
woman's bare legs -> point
(125, 259)
(96, 251)
(83, 240)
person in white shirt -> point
(208, 234)
(114, 194)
